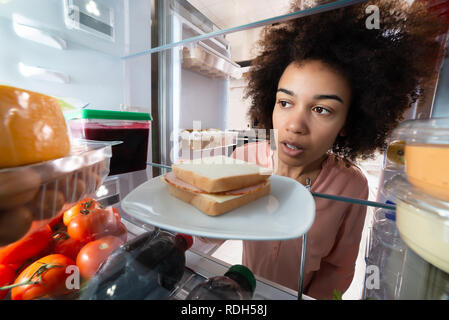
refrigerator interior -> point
(99, 67)
(90, 62)
(416, 279)
(441, 102)
(47, 53)
(73, 49)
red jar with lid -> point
(131, 128)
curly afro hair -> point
(383, 66)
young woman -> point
(332, 90)
(310, 111)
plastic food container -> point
(132, 128)
(206, 138)
(426, 154)
(30, 196)
(422, 221)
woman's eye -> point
(321, 110)
(284, 103)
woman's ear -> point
(342, 132)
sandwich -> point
(219, 184)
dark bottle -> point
(238, 283)
(147, 267)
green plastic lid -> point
(106, 114)
(245, 272)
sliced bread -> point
(220, 173)
(214, 205)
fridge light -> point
(34, 34)
(39, 73)
(91, 7)
(102, 191)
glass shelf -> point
(112, 32)
(173, 43)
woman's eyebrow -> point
(291, 93)
(316, 97)
(327, 97)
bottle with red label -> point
(238, 283)
(147, 267)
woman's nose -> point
(297, 121)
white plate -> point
(286, 213)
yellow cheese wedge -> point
(32, 128)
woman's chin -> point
(290, 161)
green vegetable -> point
(337, 295)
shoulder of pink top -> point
(351, 172)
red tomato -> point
(68, 247)
(122, 232)
(44, 278)
(116, 212)
(82, 207)
(93, 254)
(27, 247)
(94, 225)
(7, 276)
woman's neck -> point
(299, 173)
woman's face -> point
(312, 102)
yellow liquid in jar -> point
(427, 168)
(425, 233)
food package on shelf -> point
(33, 195)
(32, 128)
(425, 148)
(199, 139)
(42, 170)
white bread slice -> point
(214, 205)
(220, 173)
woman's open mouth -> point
(290, 149)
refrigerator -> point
(129, 55)
(183, 72)
(88, 53)
(408, 275)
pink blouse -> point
(332, 241)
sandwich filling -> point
(171, 178)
